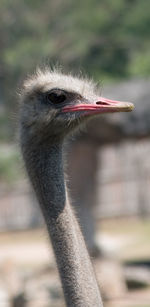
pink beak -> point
(102, 105)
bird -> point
(52, 106)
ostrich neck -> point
(45, 168)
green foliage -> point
(95, 35)
(5, 126)
(9, 171)
(141, 63)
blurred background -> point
(109, 162)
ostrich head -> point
(53, 104)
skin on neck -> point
(45, 168)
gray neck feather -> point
(45, 168)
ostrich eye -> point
(56, 98)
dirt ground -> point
(27, 262)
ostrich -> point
(52, 105)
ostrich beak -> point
(101, 105)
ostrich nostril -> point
(102, 103)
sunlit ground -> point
(133, 235)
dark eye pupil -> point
(56, 98)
